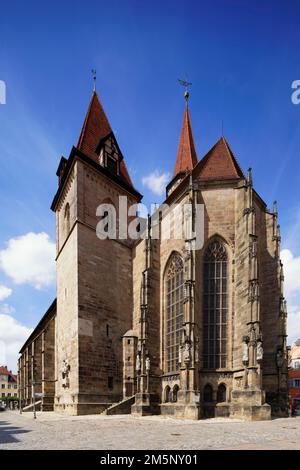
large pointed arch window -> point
(215, 306)
(174, 285)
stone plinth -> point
(249, 405)
(222, 410)
(187, 406)
(146, 404)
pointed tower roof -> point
(95, 128)
(219, 164)
(186, 154)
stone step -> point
(123, 407)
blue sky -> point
(241, 56)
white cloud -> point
(293, 323)
(291, 266)
(156, 182)
(6, 309)
(29, 259)
(4, 292)
(12, 337)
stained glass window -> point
(174, 311)
(215, 306)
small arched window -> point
(167, 394)
(174, 284)
(67, 218)
(175, 392)
(208, 394)
(215, 306)
(221, 393)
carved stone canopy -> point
(216, 250)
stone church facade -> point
(155, 326)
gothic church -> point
(152, 326)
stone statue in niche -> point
(138, 363)
(253, 247)
(197, 350)
(279, 358)
(148, 364)
(245, 350)
(65, 373)
(186, 352)
(238, 382)
(259, 351)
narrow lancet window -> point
(215, 306)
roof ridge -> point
(223, 164)
(232, 155)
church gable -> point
(218, 164)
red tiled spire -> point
(219, 164)
(186, 154)
(96, 127)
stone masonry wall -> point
(104, 295)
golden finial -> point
(186, 84)
(94, 75)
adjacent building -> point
(294, 374)
(8, 384)
(157, 324)
(37, 367)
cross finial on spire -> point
(186, 85)
(94, 74)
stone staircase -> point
(123, 407)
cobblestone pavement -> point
(53, 431)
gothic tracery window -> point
(215, 306)
(174, 312)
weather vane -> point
(94, 74)
(186, 85)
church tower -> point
(94, 276)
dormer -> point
(109, 154)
